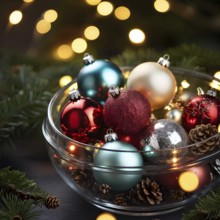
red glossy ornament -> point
(127, 113)
(201, 109)
(82, 120)
(131, 139)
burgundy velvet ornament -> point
(127, 112)
(82, 119)
(131, 139)
(201, 109)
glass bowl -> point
(177, 179)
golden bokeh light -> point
(79, 45)
(15, 17)
(161, 6)
(28, 1)
(91, 32)
(105, 8)
(43, 27)
(136, 36)
(93, 2)
(122, 13)
(106, 216)
(64, 52)
(185, 84)
(188, 181)
(72, 148)
(50, 15)
(64, 80)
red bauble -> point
(82, 120)
(127, 113)
(202, 109)
(131, 139)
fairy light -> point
(105, 8)
(64, 80)
(106, 216)
(122, 13)
(64, 52)
(72, 148)
(28, 1)
(161, 6)
(136, 36)
(79, 45)
(93, 2)
(91, 32)
(15, 17)
(43, 27)
(188, 181)
(185, 84)
(50, 15)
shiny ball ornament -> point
(162, 142)
(175, 115)
(126, 113)
(155, 81)
(201, 109)
(96, 77)
(82, 119)
(118, 164)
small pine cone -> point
(80, 177)
(146, 191)
(201, 133)
(51, 202)
(104, 188)
(120, 199)
(178, 195)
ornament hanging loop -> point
(164, 61)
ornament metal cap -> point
(74, 95)
(164, 61)
(211, 93)
(110, 136)
(114, 91)
(88, 59)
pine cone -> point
(120, 199)
(81, 177)
(178, 195)
(146, 191)
(201, 133)
(104, 188)
(17, 217)
(51, 202)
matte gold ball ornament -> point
(155, 81)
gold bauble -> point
(156, 82)
(175, 115)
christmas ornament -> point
(155, 81)
(216, 165)
(131, 139)
(162, 141)
(175, 115)
(96, 77)
(200, 136)
(201, 109)
(127, 113)
(115, 164)
(82, 118)
(146, 191)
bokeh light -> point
(28, 1)
(43, 27)
(50, 15)
(122, 13)
(64, 52)
(161, 6)
(185, 84)
(79, 45)
(15, 17)
(188, 181)
(93, 2)
(64, 80)
(105, 8)
(91, 33)
(106, 216)
(136, 36)
(215, 84)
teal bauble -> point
(97, 76)
(118, 164)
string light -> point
(105, 8)
(185, 84)
(161, 6)
(64, 80)
(91, 33)
(122, 13)
(64, 52)
(79, 45)
(50, 15)
(93, 2)
(136, 36)
(15, 17)
(43, 27)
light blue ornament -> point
(119, 165)
(97, 76)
